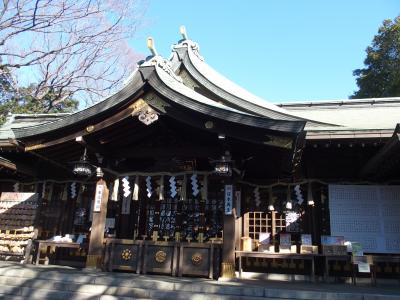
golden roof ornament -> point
(159, 61)
(186, 42)
(151, 46)
(183, 32)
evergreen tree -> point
(7, 85)
(381, 76)
(22, 100)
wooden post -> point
(98, 223)
(125, 213)
(228, 247)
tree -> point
(381, 76)
(68, 48)
(7, 85)
(21, 100)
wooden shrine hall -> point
(183, 172)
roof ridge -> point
(341, 102)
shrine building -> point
(184, 173)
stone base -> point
(93, 261)
(228, 270)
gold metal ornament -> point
(160, 256)
(126, 254)
(197, 259)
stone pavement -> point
(19, 282)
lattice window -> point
(213, 213)
(168, 208)
(280, 223)
(150, 213)
(190, 218)
(256, 222)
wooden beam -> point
(126, 134)
(192, 151)
(384, 155)
(7, 164)
(21, 147)
(96, 149)
(125, 113)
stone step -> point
(70, 297)
(131, 284)
(135, 288)
(25, 288)
(37, 292)
(38, 282)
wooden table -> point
(372, 260)
(310, 257)
(47, 244)
(382, 259)
(328, 258)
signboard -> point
(18, 197)
(292, 221)
(110, 223)
(356, 249)
(306, 239)
(363, 267)
(368, 214)
(332, 240)
(264, 238)
(126, 205)
(362, 264)
(98, 197)
(285, 239)
(228, 199)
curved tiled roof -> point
(373, 113)
(170, 86)
(186, 54)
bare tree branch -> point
(72, 48)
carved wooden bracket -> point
(145, 113)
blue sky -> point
(282, 50)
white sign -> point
(97, 198)
(228, 199)
(368, 214)
(363, 267)
(18, 197)
(110, 223)
(126, 206)
(264, 238)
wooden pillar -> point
(98, 223)
(178, 220)
(228, 247)
(155, 234)
(125, 218)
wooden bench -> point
(289, 256)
